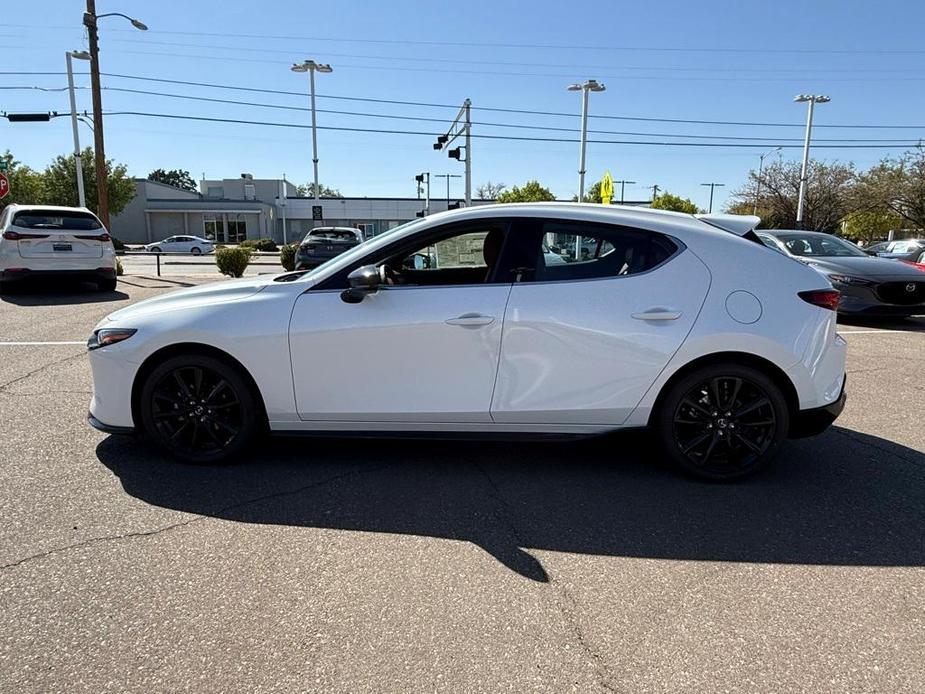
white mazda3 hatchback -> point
(527, 319)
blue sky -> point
(730, 61)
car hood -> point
(212, 293)
(866, 267)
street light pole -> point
(78, 164)
(447, 177)
(90, 21)
(760, 169)
(310, 66)
(712, 186)
(584, 88)
(812, 99)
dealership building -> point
(231, 210)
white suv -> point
(45, 240)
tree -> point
(60, 188)
(896, 186)
(675, 203)
(26, 185)
(830, 195)
(532, 191)
(592, 195)
(178, 178)
(870, 225)
(308, 191)
(489, 190)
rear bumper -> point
(108, 428)
(21, 275)
(818, 419)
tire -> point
(195, 250)
(223, 402)
(106, 285)
(723, 422)
(156, 249)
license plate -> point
(62, 247)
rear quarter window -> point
(56, 219)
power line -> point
(484, 136)
(260, 90)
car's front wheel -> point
(723, 422)
(199, 409)
(195, 250)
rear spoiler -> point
(739, 224)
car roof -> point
(353, 229)
(55, 208)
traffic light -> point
(419, 214)
(441, 140)
(419, 178)
(454, 154)
(453, 205)
(27, 117)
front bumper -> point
(108, 428)
(818, 419)
(862, 301)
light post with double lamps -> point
(90, 20)
(311, 67)
(585, 87)
(812, 100)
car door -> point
(424, 349)
(584, 339)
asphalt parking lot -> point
(344, 565)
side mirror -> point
(873, 253)
(364, 280)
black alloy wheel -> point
(723, 422)
(199, 409)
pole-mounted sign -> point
(317, 213)
(606, 188)
(4, 186)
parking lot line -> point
(42, 344)
(867, 332)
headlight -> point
(109, 336)
(848, 279)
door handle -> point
(657, 314)
(471, 319)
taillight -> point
(103, 238)
(823, 298)
(16, 236)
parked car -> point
(323, 243)
(49, 241)
(904, 249)
(869, 286)
(181, 244)
(685, 324)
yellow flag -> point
(606, 188)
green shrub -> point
(265, 245)
(117, 244)
(119, 270)
(287, 256)
(232, 261)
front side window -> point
(581, 251)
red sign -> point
(4, 186)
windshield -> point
(819, 246)
(57, 219)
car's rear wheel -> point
(195, 250)
(199, 409)
(723, 422)
(106, 285)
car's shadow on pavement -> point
(58, 293)
(913, 324)
(843, 498)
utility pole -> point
(623, 189)
(282, 202)
(655, 190)
(90, 20)
(712, 186)
(447, 177)
(468, 106)
(758, 185)
(425, 179)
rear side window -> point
(580, 251)
(57, 219)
